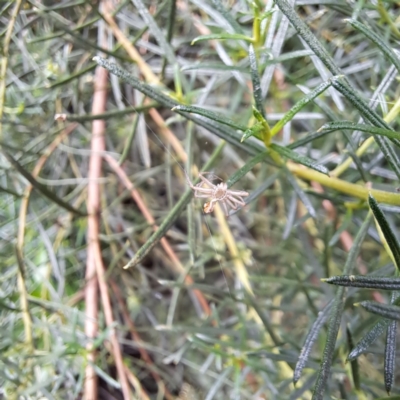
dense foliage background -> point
(93, 154)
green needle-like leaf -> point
(365, 282)
(255, 78)
(40, 187)
(372, 130)
(336, 315)
(292, 155)
(389, 311)
(209, 114)
(390, 356)
(371, 35)
(355, 370)
(300, 105)
(369, 338)
(222, 36)
(310, 340)
(386, 230)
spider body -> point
(205, 189)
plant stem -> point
(342, 186)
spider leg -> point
(205, 180)
(202, 195)
(225, 207)
(194, 187)
(203, 190)
(188, 179)
(231, 203)
(237, 201)
(240, 193)
(211, 174)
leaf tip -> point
(371, 198)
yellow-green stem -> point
(256, 30)
(266, 134)
(358, 191)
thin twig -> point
(4, 59)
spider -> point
(217, 193)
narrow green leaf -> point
(372, 130)
(292, 155)
(170, 32)
(215, 66)
(156, 31)
(40, 187)
(218, 36)
(110, 114)
(289, 56)
(255, 78)
(9, 191)
(246, 168)
(84, 42)
(389, 398)
(307, 139)
(262, 187)
(244, 70)
(129, 140)
(220, 7)
(310, 340)
(300, 105)
(389, 311)
(304, 31)
(368, 339)
(209, 114)
(336, 315)
(390, 356)
(256, 130)
(72, 77)
(374, 333)
(365, 282)
(386, 230)
(371, 35)
(355, 370)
